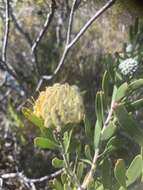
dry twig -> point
(45, 27)
(3, 62)
(28, 182)
(6, 32)
(69, 44)
(19, 27)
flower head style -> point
(59, 105)
(128, 66)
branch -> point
(96, 154)
(67, 5)
(3, 62)
(80, 34)
(70, 173)
(51, 176)
(89, 177)
(109, 116)
(19, 28)
(6, 67)
(25, 35)
(69, 45)
(44, 77)
(90, 22)
(28, 182)
(6, 33)
(5, 96)
(70, 22)
(45, 27)
(58, 30)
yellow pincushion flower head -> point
(59, 105)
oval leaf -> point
(80, 169)
(121, 91)
(57, 163)
(136, 105)
(67, 140)
(99, 107)
(134, 170)
(136, 85)
(106, 83)
(97, 134)
(87, 152)
(88, 130)
(128, 124)
(57, 184)
(120, 172)
(109, 131)
(112, 145)
(45, 143)
(33, 118)
(107, 174)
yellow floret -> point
(59, 105)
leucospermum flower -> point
(59, 105)
(128, 66)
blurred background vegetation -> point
(83, 66)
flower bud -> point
(128, 66)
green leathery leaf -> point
(57, 163)
(111, 141)
(50, 184)
(106, 84)
(15, 116)
(109, 131)
(45, 143)
(142, 166)
(125, 89)
(33, 118)
(57, 184)
(99, 107)
(112, 145)
(120, 172)
(88, 130)
(121, 188)
(100, 187)
(114, 93)
(67, 186)
(135, 85)
(48, 133)
(64, 178)
(97, 134)
(110, 66)
(102, 99)
(87, 152)
(86, 161)
(119, 77)
(106, 173)
(134, 170)
(136, 105)
(80, 169)
(129, 124)
(67, 140)
(121, 91)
